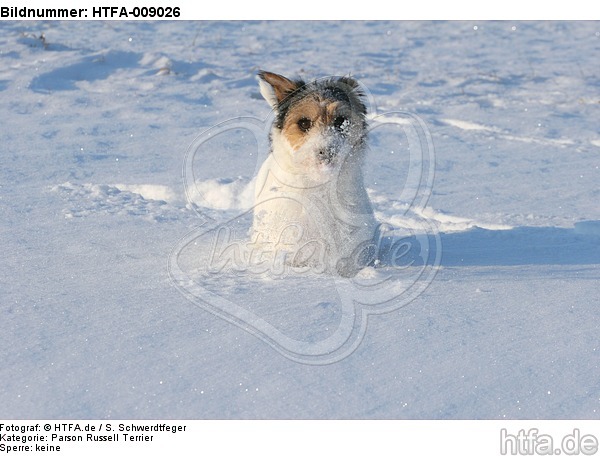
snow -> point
(111, 307)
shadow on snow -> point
(520, 246)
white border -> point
(304, 438)
(469, 10)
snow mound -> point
(225, 193)
(92, 199)
(503, 134)
(465, 125)
(449, 223)
(150, 192)
(398, 214)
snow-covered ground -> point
(107, 311)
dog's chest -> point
(294, 208)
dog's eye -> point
(304, 124)
(340, 122)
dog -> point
(311, 209)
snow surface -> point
(101, 243)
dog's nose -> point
(326, 154)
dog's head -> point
(318, 124)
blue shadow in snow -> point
(520, 246)
(90, 68)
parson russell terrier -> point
(311, 208)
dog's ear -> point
(275, 88)
(353, 85)
(349, 81)
(356, 90)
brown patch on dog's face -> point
(315, 115)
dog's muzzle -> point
(326, 155)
